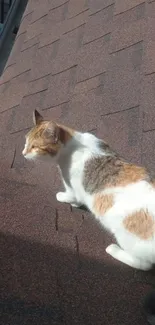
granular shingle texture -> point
(91, 65)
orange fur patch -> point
(140, 224)
(128, 174)
(102, 203)
(131, 174)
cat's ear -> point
(52, 132)
(37, 117)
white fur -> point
(133, 251)
(25, 147)
(29, 155)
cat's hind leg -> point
(124, 257)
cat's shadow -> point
(65, 284)
(20, 309)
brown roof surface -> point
(91, 65)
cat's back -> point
(107, 170)
(119, 188)
(100, 174)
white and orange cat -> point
(120, 195)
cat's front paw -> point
(112, 249)
(63, 197)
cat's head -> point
(43, 140)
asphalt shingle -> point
(89, 64)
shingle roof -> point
(91, 65)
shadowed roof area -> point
(91, 65)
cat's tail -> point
(149, 307)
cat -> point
(149, 307)
(121, 195)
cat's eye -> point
(33, 147)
